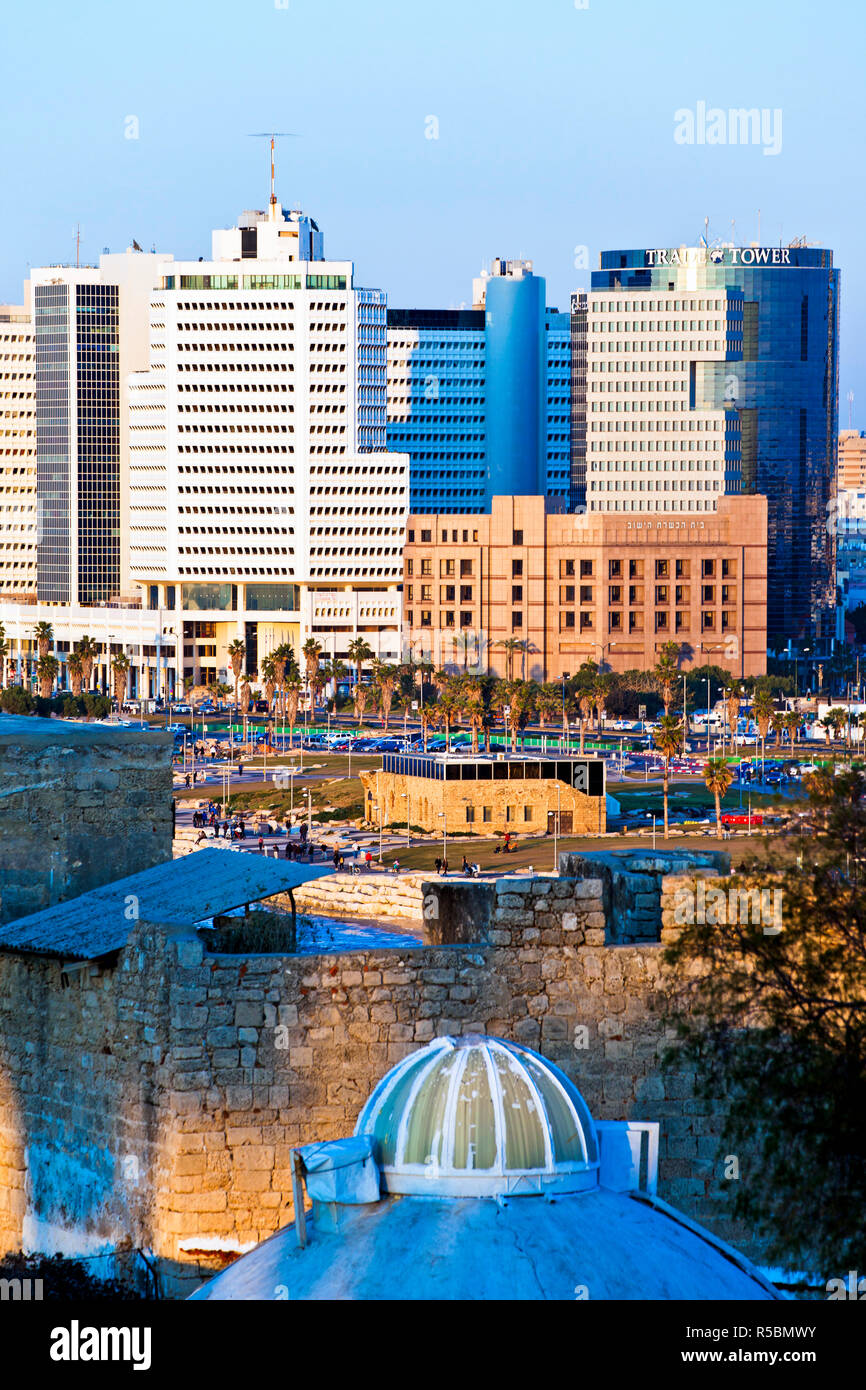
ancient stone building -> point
(150, 1097)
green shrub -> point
(16, 700)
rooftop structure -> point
(447, 1192)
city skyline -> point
(512, 139)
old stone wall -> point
(80, 805)
(157, 1101)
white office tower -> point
(263, 503)
(654, 439)
(18, 506)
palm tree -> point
(732, 705)
(601, 688)
(4, 653)
(792, 724)
(359, 652)
(361, 696)
(718, 777)
(386, 682)
(473, 709)
(44, 634)
(778, 723)
(834, 720)
(520, 698)
(120, 667)
(291, 702)
(665, 673)
(88, 650)
(668, 737)
(426, 720)
(246, 698)
(237, 651)
(46, 670)
(312, 654)
(548, 702)
(510, 645)
(762, 708)
(463, 642)
(268, 673)
(75, 670)
(448, 710)
(585, 705)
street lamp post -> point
(556, 824)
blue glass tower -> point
(480, 399)
(775, 380)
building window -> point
(635, 569)
(708, 622)
(615, 569)
(465, 569)
(466, 619)
(410, 567)
(465, 593)
(527, 813)
(517, 593)
(426, 566)
(447, 619)
(487, 814)
(470, 815)
(682, 621)
(586, 593)
(517, 538)
(409, 618)
(566, 593)
(662, 593)
(509, 813)
(516, 621)
(426, 618)
(615, 594)
(516, 569)
(661, 621)
(566, 569)
(426, 537)
(729, 569)
(614, 622)
(426, 593)
(410, 537)
(566, 621)
(662, 569)
(635, 622)
(586, 623)
(683, 569)
(586, 569)
(447, 593)
(446, 567)
(708, 593)
(708, 569)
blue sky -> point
(555, 131)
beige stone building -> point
(852, 460)
(604, 586)
(18, 514)
(491, 794)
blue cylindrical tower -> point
(516, 384)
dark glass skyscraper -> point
(762, 372)
(77, 440)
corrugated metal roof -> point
(179, 893)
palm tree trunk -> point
(582, 722)
(665, 793)
(718, 814)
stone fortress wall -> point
(80, 805)
(152, 1103)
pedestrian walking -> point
(438, 863)
(261, 845)
(444, 867)
(368, 860)
(396, 866)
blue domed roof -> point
(478, 1116)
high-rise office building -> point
(852, 460)
(90, 329)
(263, 503)
(480, 399)
(18, 506)
(699, 372)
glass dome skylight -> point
(478, 1116)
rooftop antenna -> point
(272, 136)
(77, 244)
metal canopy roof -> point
(179, 893)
